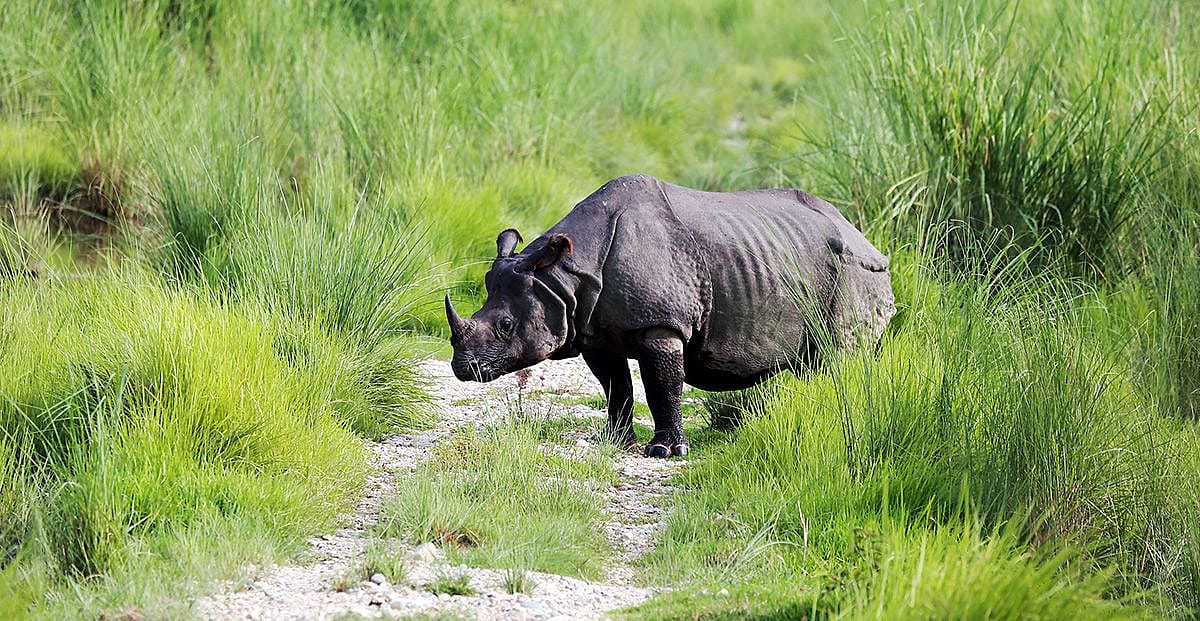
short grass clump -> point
(518, 580)
(379, 557)
(451, 584)
(387, 561)
(346, 580)
(494, 498)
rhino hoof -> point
(657, 451)
(680, 450)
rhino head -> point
(522, 322)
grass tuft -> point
(494, 497)
(457, 584)
(389, 561)
(379, 557)
(519, 581)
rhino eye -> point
(504, 326)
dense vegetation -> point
(1024, 443)
(226, 224)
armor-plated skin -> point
(721, 290)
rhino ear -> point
(506, 243)
(556, 248)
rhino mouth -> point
(472, 370)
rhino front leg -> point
(660, 356)
(613, 373)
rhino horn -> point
(507, 242)
(456, 323)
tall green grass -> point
(366, 284)
(1022, 434)
(16, 256)
(1162, 300)
(460, 119)
(139, 427)
(1040, 124)
(994, 411)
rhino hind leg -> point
(726, 417)
(660, 356)
(613, 374)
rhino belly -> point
(769, 279)
(745, 343)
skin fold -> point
(720, 290)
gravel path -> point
(305, 591)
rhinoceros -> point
(720, 290)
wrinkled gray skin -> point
(721, 290)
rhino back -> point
(776, 262)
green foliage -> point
(959, 572)
(952, 571)
(17, 590)
(1039, 125)
(1162, 306)
(129, 421)
(319, 172)
(495, 498)
(456, 119)
(365, 284)
(32, 164)
(998, 407)
(733, 603)
(1021, 446)
(16, 254)
(457, 584)
(310, 177)
(518, 580)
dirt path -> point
(305, 590)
